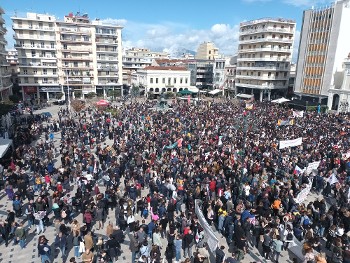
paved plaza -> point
(13, 253)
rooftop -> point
(166, 68)
(267, 19)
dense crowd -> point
(160, 162)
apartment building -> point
(264, 56)
(324, 43)
(207, 51)
(12, 60)
(5, 73)
(160, 79)
(230, 75)
(74, 56)
(138, 58)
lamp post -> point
(68, 96)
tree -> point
(135, 91)
(90, 95)
(77, 105)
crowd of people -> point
(146, 168)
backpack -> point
(290, 236)
(145, 213)
(306, 221)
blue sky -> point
(168, 25)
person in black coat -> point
(113, 247)
(170, 252)
(5, 231)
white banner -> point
(212, 240)
(298, 114)
(312, 166)
(291, 143)
(305, 192)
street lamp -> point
(68, 96)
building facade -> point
(264, 56)
(230, 75)
(74, 56)
(5, 73)
(135, 59)
(324, 42)
(207, 51)
(339, 93)
(160, 79)
(12, 60)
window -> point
(269, 74)
(45, 71)
(174, 80)
(180, 80)
(36, 80)
(163, 81)
(32, 43)
(156, 80)
(186, 80)
(54, 72)
(64, 46)
(35, 72)
(45, 80)
(273, 36)
(26, 80)
(151, 80)
(25, 72)
(169, 81)
(52, 45)
(259, 74)
(87, 64)
(107, 73)
(86, 38)
(42, 44)
(75, 64)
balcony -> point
(260, 86)
(101, 82)
(267, 68)
(34, 28)
(99, 50)
(79, 67)
(266, 29)
(2, 21)
(283, 50)
(77, 31)
(272, 78)
(3, 30)
(38, 74)
(77, 58)
(264, 59)
(34, 37)
(76, 50)
(38, 65)
(107, 68)
(45, 47)
(107, 59)
(265, 40)
(76, 40)
(106, 42)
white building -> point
(138, 58)
(219, 73)
(264, 55)
(324, 43)
(74, 55)
(5, 73)
(339, 93)
(157, 79)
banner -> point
(312, 166)
(291, 143)
(285, 122)
(212, 240)
(249, 106)
(298, 114)
(301, 197)
(298, 170)
(332, 179)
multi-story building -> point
(207, 51)
(339, 93)
(219, 73)
(138, 58)
(5, 74)
(12, 60)
(230, 75)
(36, 44)
(324, 43)
(160, 79)
(74, 56)
(264, 55)
(201, 73)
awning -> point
(215, 91)
(4, 146)
(280, 100)
(244, 96)
(193, 89)
(185, 92)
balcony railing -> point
(261, 77)
(260, 86)
(264, 68)
(264, 59)
(266, 39)
(288, 50)
(266, 29)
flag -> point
(332, 179)
(298, 170)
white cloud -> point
(171, 36)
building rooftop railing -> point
(267, 19)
